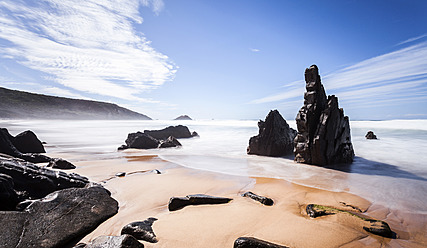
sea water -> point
(391, 171)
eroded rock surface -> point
(123, 241)
(323, 131)
(141, 141)
(178, 132)
(59, 163)
(141, 230)
(170, 142)
(250, 242)
(262, 199)
(275, 138)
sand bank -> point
(144, 193)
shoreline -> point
(143, 193)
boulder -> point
(7, 147)
(178, 132)
(123, 241)
(262, 199)
(8, 196)
(370, 135)
(141, 141)
(58, 218)
(194, 134)
(34, 182)
(59, 163)
(250, 242)
(275, 138)
(27, 142)
(176, 203)
(170, 142)
(141, 230)
(323, 136)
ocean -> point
(390, 171)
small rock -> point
(59, 163)
(312, 212)
(250, 242)
(123, 241)
(262, 199)
(170, 142)
(141, 230)
(194, 134)
(370, 135)
(379, 228)
(122, 147)
(121, 174)
(176, 203)
(157, 171)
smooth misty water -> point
(391, 171)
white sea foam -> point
(391, 170)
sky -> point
(219, 59)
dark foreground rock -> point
(377, 227)
(178, 132)
(141, 141)
(370, 135)
(8, 196)
(275, 137)
(323, 131)
(33, 182)
(176, 203)
(262, 199)
(250, 242)
(170, 142)
(141, 230)
(58, 218)
(26, 139)
(59, 163)
(123, 241)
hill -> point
(183, 117)
(16, 104)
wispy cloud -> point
(391, 78)
(254, 50)
(412, 39)
(86, 45)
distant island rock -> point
(275, 137)
(370, 135)
(183, 118)
(16, 104)
(323, 131)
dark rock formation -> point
(27, 142)
(314, 212)
(370, 135)
(34, 182)
(7, 147)
(176, 203)
(194, 134)
(250, 242)
(58, 218)
(262, 199)
(323, 131)
(379, 228)
(178, 132)
(123, 241)
(183, 118)
(59, 163)
(8, 196)
(120, 174)
(141, 141)
(275, 137)
(141, 230)
(170, 142)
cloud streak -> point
(89, 46)
(390, 78)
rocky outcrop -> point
(262, 199)
(170, 142)
(141, 230)
(183, 118)
(178, 132)
(141, 141)
(27, 142)
(275, 137)
(123, 241)
(250, 242)
(8, 196)
(33, 182)
(370, 135)
(323, 131)
(58, 218)
(176, 203)
(7, 146)
(59, 163)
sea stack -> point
(275, 137)
(323, 131)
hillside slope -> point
(16, 104)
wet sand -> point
(144, 193)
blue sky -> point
(219, 59)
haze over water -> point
(390, 171)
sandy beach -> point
(144, 193)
